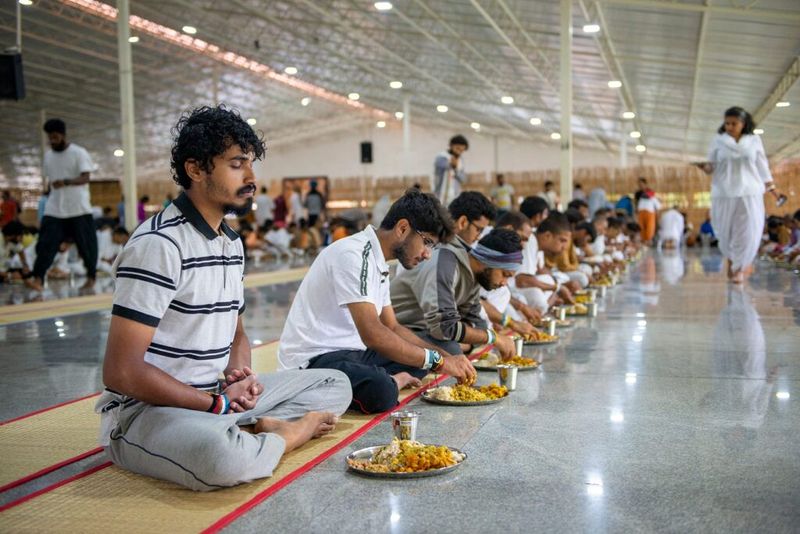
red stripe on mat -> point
(50, 488)
(49, 408)
(50, 469)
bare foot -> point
(296, 433)
(738, 278)
(405, 380)
(34, 283)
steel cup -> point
(550, 325)
(591, 309)
(507, 375)
(560, 313)
(518, 343)
(404, 424)
(592, 295)
(602, 291)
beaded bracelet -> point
(219, 404)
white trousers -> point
(738, 224)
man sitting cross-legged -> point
(176, 327)
(342, 316)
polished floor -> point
(674, 410)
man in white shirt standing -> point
(342, 317)
(68, 212)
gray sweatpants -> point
(204, 451)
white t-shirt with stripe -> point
(350, 270)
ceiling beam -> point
(747, 12)
(698, 60)
(781, 88)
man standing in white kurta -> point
(740, 176)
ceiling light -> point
(507, 99)
(354, 96)
(615, 84)
(783, 395)
(536, 121)
(133, 39)
(783, 104)
(381, 124)
(119, 152)
(398, 115)
(555, 136)
(396, 85)
(640, 148)
(630, 378)
(305, 101)
(251, 121)
(758, 131)
(628, 115)
(441, 108)
(191, 30)
(475, 125)
(26, 2)
(591, 28)
(635, 134)
(383, 6)
(291, 71)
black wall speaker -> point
(12, 85)
(366, 152)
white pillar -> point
(496, 164)
(566, 101)
(406, 136)
(126, 106)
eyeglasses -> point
(478, 228)
(429, 243)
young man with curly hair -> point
(177, 326)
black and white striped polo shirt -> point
(178, 274)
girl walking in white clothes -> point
(740, 176)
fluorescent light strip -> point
(178, 38)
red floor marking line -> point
(50, 469)
(51, 487)
(50, 408)
(300, 471)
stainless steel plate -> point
(426, 396)
(480, 367)
(366, 454)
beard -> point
(229, 208)
(239, 211)
(401, 253)
(484, 278)
(60, 147)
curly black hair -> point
(514, 219)
(424, 213)
(502, 240)
(472, 204)
(207, 132)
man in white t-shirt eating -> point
(68, 212)
(342, 317)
